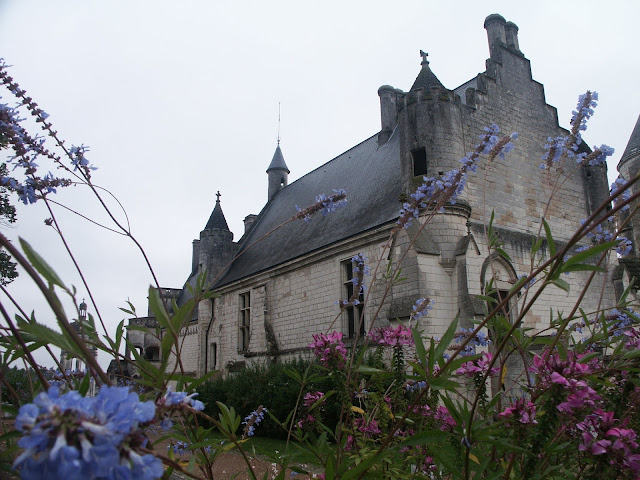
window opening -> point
(353, 312)
(245, 321)
(213, 356)
(419, 156)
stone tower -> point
(215, 248)
(629, 167)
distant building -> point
(276, 294)
(70, 363)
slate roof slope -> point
(277, 162)
(426, 78)
(634, 142)
(217, 220)
(371, 177)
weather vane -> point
(218, 196)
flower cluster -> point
(26, 148)
(391, 337)
(310, 398)
(421, 308)
(480, 339)
(617, 184)
(522, 411)
(447, 188)
(180, 448)
(323, 204)
(479, 366)
(329, 349)
(181, 399)
(252, 420)
(601, 436)
(606, 232)
(71, 436)
(552, 370)
(413, 386)
(570, 145)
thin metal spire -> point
(278, 123)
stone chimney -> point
(249, 220)
(511, 33)
(495, 26)
(388, 115)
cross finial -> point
(424, 56)
(218, 196)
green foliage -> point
(270, 385)
(8, 271)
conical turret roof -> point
(217, 220)
(633, 147)
(426, 78)
(277, 163)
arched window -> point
(497, 277)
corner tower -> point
(430, 127)
(215, 248)
(278, 173)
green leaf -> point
(591, 252)
(446, 339)
(582, 267)
(418, 341)
(424, 437)
(503, 254)
(157, 308)
(550, 242)
(85, 383)
(40, 332)
(41, 266)
(368, 370)
(329, 469)
(558, 282)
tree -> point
(8, 270)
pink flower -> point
(523, 411)
(600, 437)
(478, 366)
(311, 398)
(391, 337)
(329, 349)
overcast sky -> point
(180, 99)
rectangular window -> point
(353, 312)
(213, 356)
(244, 321)
(419, 157)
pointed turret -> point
(217, 220)
(278, 173)
(426, 78)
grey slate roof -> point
(426, 78)
(371, 177)
(277, 162)
(633, 147)
(217, 220)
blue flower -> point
(253, 420)
(182, 398)
(72, 436)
